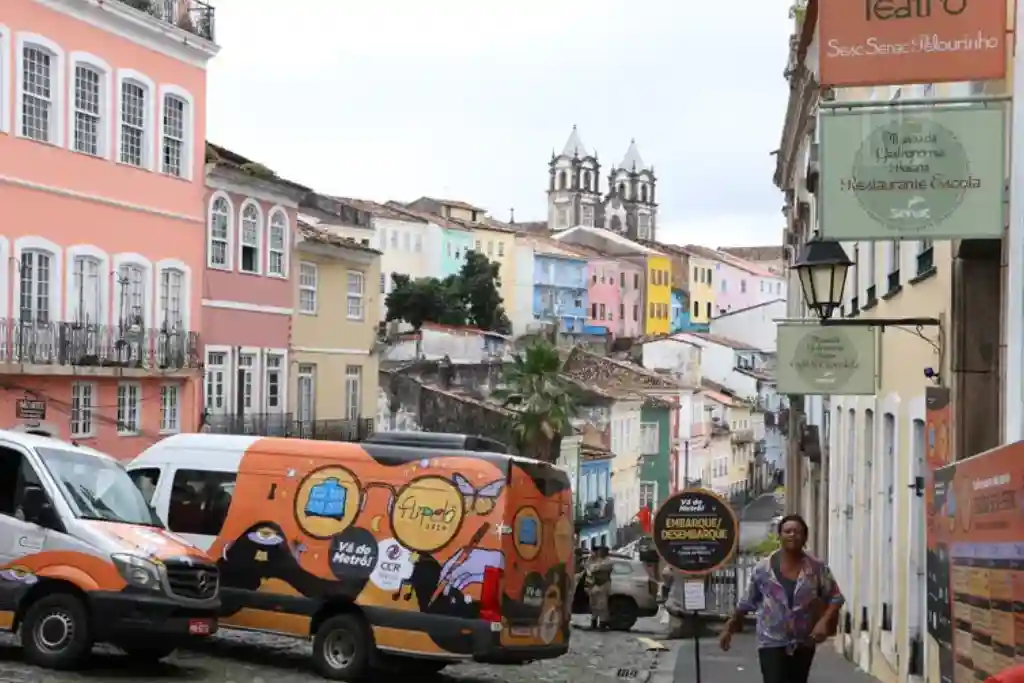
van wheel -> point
(342, 648)
(623, 613)
(56, 633)
(137, 652)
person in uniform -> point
(599, 577)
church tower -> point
(630, 206)
(574, 195)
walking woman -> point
(797, 601)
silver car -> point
(634, 593)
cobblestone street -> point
(238, 657)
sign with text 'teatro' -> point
(815, 359)
(912, 173)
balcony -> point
(193, 16)
(289, 426)
(67, 348)
(741, 436)
(595, 512)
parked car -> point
(634, 593)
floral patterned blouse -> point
(778, 623)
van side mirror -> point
(36, 506)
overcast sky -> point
(395, 99)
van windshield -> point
(97, 488)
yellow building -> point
(702, 289)
(334, 327)
(499, 245)
(732, 441)
(658, 314)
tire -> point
(142, 654)
(56, 633)
(342, 648)
(623, 612)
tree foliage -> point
(471, 297)
(544, 400)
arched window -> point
(276, 244)
(643, 193)
(586, 181)
(561, 180)
(249, 254)
(219, 254)
(36, 279)
(172, 299)
(86, 290)
(622, 190)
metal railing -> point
(194, 16)
(92, 345)
(743, 436)
(595, 512)
(288, 425)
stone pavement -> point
(239, 657)
(740, 665)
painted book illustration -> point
(327, 499)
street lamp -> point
(822, 269)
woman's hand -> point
(819, 633)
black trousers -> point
(779, 666)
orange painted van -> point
(84, 559)
(388, 555)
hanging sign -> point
(837, 359)
(30, 409)
(695, 531)
(911, 173)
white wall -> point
(753, 326)
(625, 426)
(460, 347)
(718, 364)
(522, 313)
(403, 258)
(679, 357)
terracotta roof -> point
(756, 254)
(729, 259)
(225, 157)
(723, 341)
(425, 216)
(332, 239)
(451, 202)
(379, 210)
(481, 225)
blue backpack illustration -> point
(327, 499)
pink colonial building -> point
(102, 122)
(248, 290)
(616, 296)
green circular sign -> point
(911, 173)
(826, 358)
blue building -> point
(455, 244)
(595, 509)
(680, 309)
(560, 291)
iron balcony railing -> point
(193, 16)
(92, 345)
(288, 425)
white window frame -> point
(654, 493)
(83, 416)
(56, 254)
(128, 386)
(282, 380)
(148, 134)
(274, 213)
(188, 130)
(106, 74)
(229, 247)
(256, 354)
(167, 391)
(302, 373)
(5, 79)
(88, 251)
(646, 427)
(228, 382)
(314, 289)
(186, 292)
(260, 226)
(351, 298)
(353, 379)
(146, 266)
(58, 92)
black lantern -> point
(822, 269)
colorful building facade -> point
(560, 290)
(659, 295)
(616, 296)
(702, 291)
(102, 123)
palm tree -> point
(544, 401)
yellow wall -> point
(503, 252)
(330, 341)
(658, 314)
(701, 293)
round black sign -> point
(695, 531)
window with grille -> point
(133, 123)
(38, 120)
(86, 292)
(648, 494)
(247, 363)
(82, 394)
(172, 283)
(174, 135)
(275, 365)
(278, 230)
(87, 110)
(588, 215)
(35, 286)
(353, 391)
(356, 289)
(307, 287)
(307, 392)
(216, 365)
(169, 410)
(250, 239)
(129, 407)
(220, 219)
(131, 294)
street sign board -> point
(695, 531)
(815, 359)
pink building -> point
(616, 296)
(248, 289)
(102, 122)
(740, 284)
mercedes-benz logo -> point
(203, 580)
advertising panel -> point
(837, 359)
(695, 531)
(976, 564)
(913, 173)
(892, 42)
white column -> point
(1013, 384)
